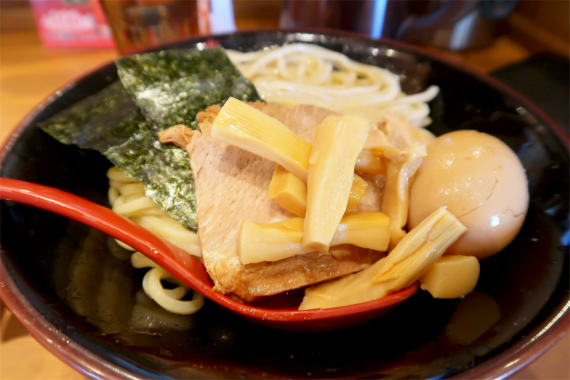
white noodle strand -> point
(127, 197)
(310, 74)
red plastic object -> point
(76, 25)
(190, 270)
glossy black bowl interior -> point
(527, 283)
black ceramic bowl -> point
(518, 310)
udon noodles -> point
(127, 198)
(310, 74)
(292, 74)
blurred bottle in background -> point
(137, 24)
(140, 24)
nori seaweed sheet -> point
(163, 169)
(184, 82)
(172, 86)
(98, 122)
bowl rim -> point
(86, 362)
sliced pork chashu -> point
(231, 186)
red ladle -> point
(187, 268)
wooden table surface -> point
(29, 73)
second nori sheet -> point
(172, 86)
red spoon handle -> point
(170, 257)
